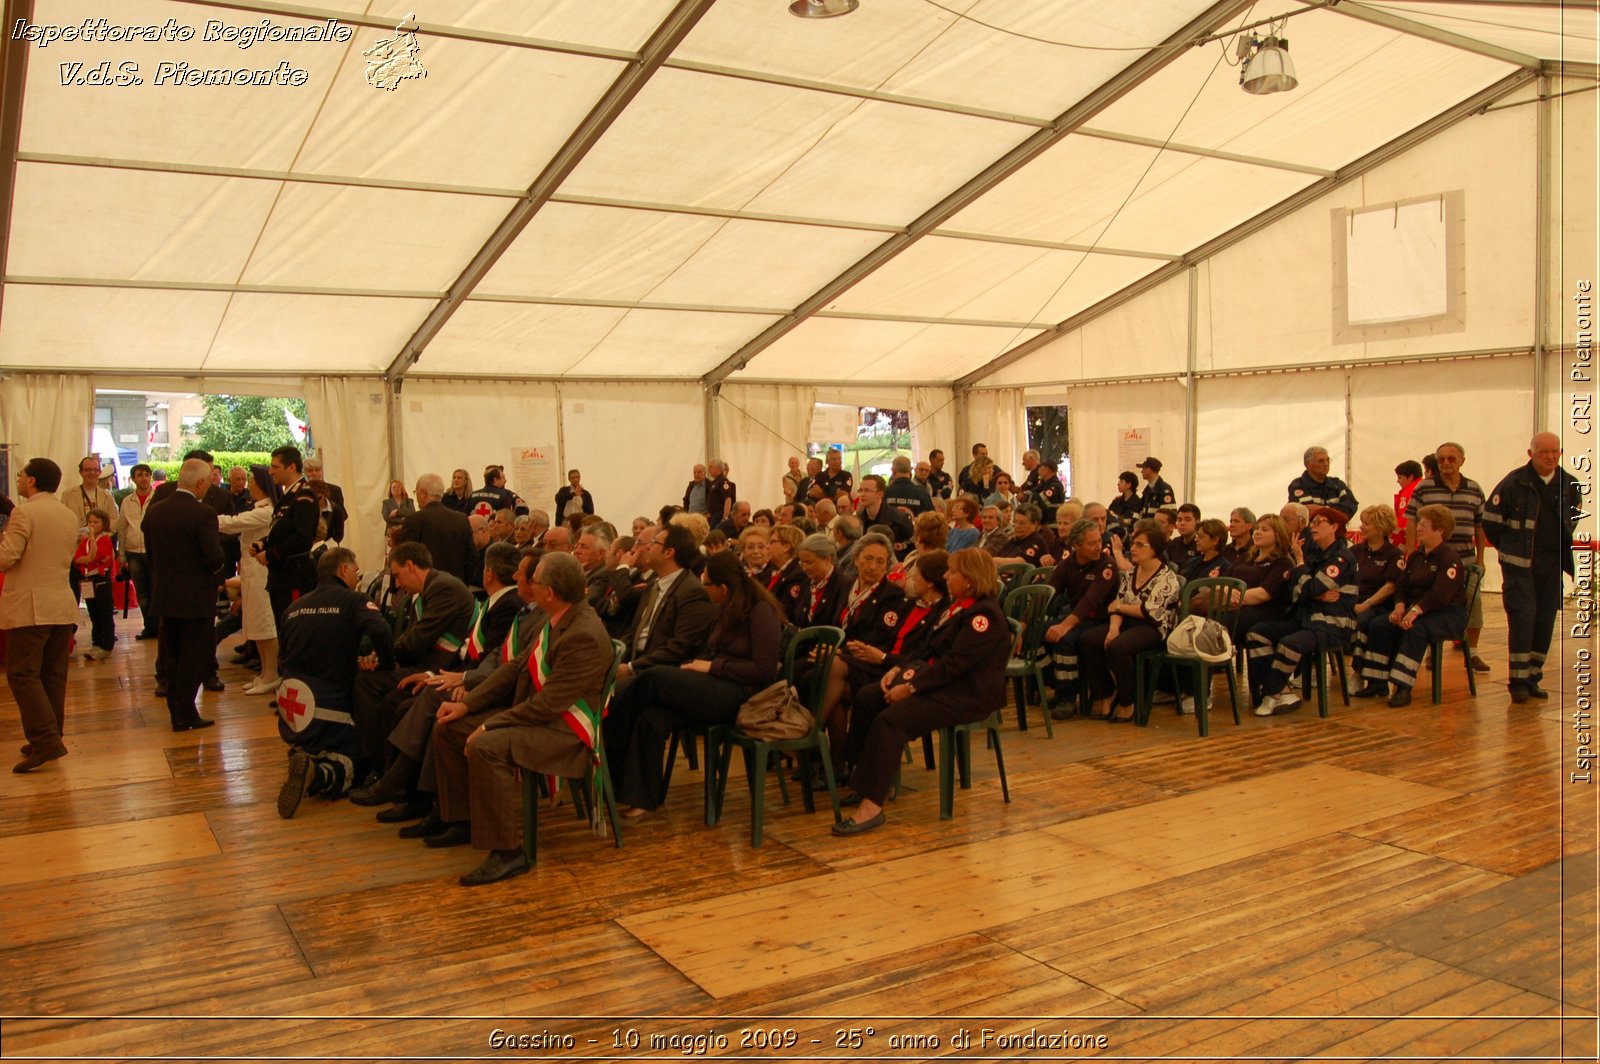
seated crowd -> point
(485, 646)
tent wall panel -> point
(933, 424)
(1268, 299)
(46, 415)
(758, 427)
(469, 424)
(1096, 419)
(1251, 433)
(995, 419)
(635, 443)
(349, 422)
(1573, 205)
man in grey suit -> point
(185, 553)
(37, 610)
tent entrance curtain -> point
(46, 415)
(995, 418)
(933, 424)
(759, 427)
(349, 421)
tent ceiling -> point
(315, 228)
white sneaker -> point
(97, 653)
(1268, 705)
(1186, 705)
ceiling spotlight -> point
(822, 8)
(1269, 68)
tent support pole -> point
(391, 403)
(1191, 410)
(713, 444)
(1541, 243)
(1349, 419)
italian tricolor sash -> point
(513, 644)
(580, 717)
(475, 635)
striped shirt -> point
(1465, 504)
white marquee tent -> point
(639, 231)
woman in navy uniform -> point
(822, 596)
(869, 612)
(1265, 571)
(1430, 604)
(1324, 617)
(1377, 559)
(962, 680)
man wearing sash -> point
(539, 713)
(439, 619)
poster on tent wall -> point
(534, 474)
(1133, 445)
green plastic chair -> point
(1217, 593)
(1039, 574)
(1027, 606)
(590, 790)
(1315, 671)
(721, 739)
(1474, 583)
(955, 758)
(1012, 575)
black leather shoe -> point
(1371, 690)
(1401, 697)
(500, 864)
(456, 833)
(294, 786)
(214, 684)
(1535, 691)
(377, 794)
(1479, 665)
(400, 812)
(425, 828)
(1519, 693)
(193, 725)
(161, 691)
(142, 636)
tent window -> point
(1398, 269)
(1047, 434)
(870, 436)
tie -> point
(649, 614)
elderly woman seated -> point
(960, 680)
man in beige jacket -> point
(37, 610)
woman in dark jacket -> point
(961, 680)
(741, 658)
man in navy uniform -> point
(1530, 519)
(1158, 494)
(1315, 487)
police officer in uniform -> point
(1324, 614)
(323, 636)
(1530, 519)
(1157, 494)
(286, 548)
(1315, 487)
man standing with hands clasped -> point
(37, 610)
(185, 553)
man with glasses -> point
(83, 497)
(37, 611)
(1316, 488)
(1464, 499)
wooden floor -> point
(1413, 883)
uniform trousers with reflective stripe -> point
(1533, 602)
(480, 782)
(1394, 654)
(1064, 660)
(1276, 649)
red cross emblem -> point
(295, 704)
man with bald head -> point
(1530, 519)
(447, 534)
(185, 552)
(558, 540)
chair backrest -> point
(1039, 574)
(819, 643)
(1216, 594)
(1474, 584)
(1028, 604)
(1011, 574)
(619, 650)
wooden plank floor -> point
(1416, 883)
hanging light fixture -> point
(1269, 68)
(822, 8)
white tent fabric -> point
(631, 445)
(1253, 432)
(994, 419)
(46, 415)
(469, 424)
(759, 426)
(933, 424)
(1098, 418)
(349, 421)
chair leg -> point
(1320, 669)
(947, 773)
(833, 786)
(927, 752)
(806, 796)
(1044, 700)
(1233, 691)
(688, 748)
(1202, 700)
(758, 793)
(1438, 671)
(607, 796)
(1472, 677)
(530, 818)
(964, 758)
(1000, 763)
(1019, 693)
(1344, 681)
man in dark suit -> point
(221, 502)
(185, 552)
(332, 500)
(286, 548)
(446, 533)
(675, 617)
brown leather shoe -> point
(36, 758)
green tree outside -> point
(246, 423)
